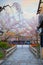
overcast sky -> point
(29, 7)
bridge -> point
(21, 35)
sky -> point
(29, 7)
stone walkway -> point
(22, 56)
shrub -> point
(4, 45)
(2, 54)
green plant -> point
(38, 46)
(1, 55)
(4, 45)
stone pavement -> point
(22, 56)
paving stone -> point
(23, 64)
(22, 56)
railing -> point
(10, 51)
(7, 53)
(34, 51)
